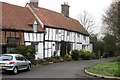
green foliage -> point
(54, 60)
(59, 58)
(27, 51)
(98, 46)
(112, 22)
(111, 19)
(85, 55)
(75, 54)
(40, 62)
(68, 57)
(110, 44)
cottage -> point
(16, 23)
(47, 29)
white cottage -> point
(47, 29)
(59, 27)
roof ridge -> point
(56, 12)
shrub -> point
(40, 62)
(68, 57)
(27, 51)
(59, 58)
(54, 60)
(85, 55)
(43, 61)
(75, 54)
(94, 55)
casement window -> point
(12, 40)
(83, 47)
(68, 33)
(9, 49)
(57, 46)
(56, 31)
(84, 37)
(35, 26)
(78, 35)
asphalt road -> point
(72, 69)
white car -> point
(14, 62)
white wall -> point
(35, 37)
(53, 35)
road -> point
(70, 69)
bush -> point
(27, 51)
(68, 57)
(75, 54)
(85, 55)
(59, 58)
(94, 55)
(54, 60)
(40, 62)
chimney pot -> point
(34, 3)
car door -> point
(19, 62)
(24, 62)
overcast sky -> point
(95, 7)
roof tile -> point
(58, 20)
(16, 17)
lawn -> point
(111, 68)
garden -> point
(29, 53)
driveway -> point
(72, 69)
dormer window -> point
(35, 26)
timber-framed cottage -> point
(44, 28)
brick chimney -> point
(65, 9)
(34, 3)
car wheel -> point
(15, 70)
(29, 67)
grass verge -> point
(111, 68)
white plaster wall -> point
(91, 47)
(27, 43)
(65, 35)
(62, 35)
(35, 37)
(39, 54)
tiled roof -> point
(58, 20)
(16, 17)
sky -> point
(96, 8)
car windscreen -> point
(6, 58)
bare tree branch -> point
(87, 21)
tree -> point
(98, 47)
(112, 21)
(110, 44)
(87, 21)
